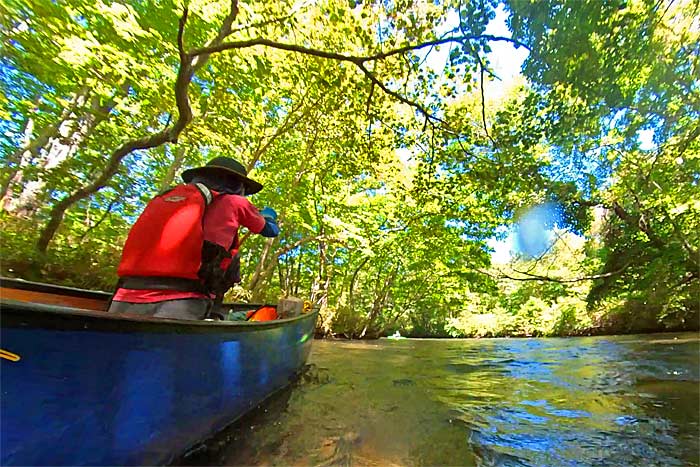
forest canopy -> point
(392, 149)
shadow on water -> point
(630, 400)
(234, 440)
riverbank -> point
(612, 324)
(593, 332)
(624, 319)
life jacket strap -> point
(162, 283)
(206, 193)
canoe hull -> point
(90, 390)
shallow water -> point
(627, 400)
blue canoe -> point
(83, 387)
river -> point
(591, 401)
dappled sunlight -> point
(484, 169)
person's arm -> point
(250, 217)
(227, 213)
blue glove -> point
(271, 229)
(269, 213)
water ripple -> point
(606, 401)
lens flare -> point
(534, 229)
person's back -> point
(183, 250)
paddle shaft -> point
(244, 238)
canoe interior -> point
(45, 298)
(70, 297)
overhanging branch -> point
(188, 65)
(536, 277)
(428, 115)
(358, 60)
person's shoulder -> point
(233, 201)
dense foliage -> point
(389, 167)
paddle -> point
(219, 299)
(245, 237)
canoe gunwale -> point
(31, 286)
(36, 315)
(10, 284)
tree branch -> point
(180, 35)
(169, 134)
(428, 115)
(290, 247)
(693, 254)
(358, 61)
(536, 277)
(261, 24)
(104, 216)
(199, 60)
(483, 100)
(576, 279)
(639, 223)
(287, 124)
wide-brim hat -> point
(228, 166)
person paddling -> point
(182, 252)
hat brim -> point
(251, 186)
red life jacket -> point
(166, 241)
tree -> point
(607, 74)
(388, 172)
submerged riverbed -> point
(625, 400)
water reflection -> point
(563, 402)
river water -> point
(617, 401)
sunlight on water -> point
(614, 401)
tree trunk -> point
(188, 66)
(380, 301)
(27, 131)
(283, 278)
(297, 279)
(25, 155)
(351, 288)
(259, 276)
(72, 134)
